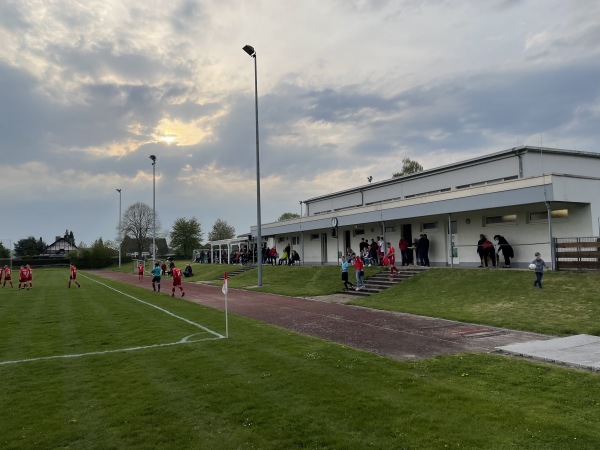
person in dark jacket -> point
(423, 250)
(485, 249)
(505, 248)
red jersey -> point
(7, 273)
(28, 273)
(22, 274)
(176, 274)
(140, 269)
(73, 272)
(358, 263)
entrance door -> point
(453, 250)
(324, 248)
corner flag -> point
(224, 288)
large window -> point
(429, 226)
(506, 219)
(559, 215)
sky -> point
(346, 90)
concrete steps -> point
(383, 280)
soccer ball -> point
(532, 266)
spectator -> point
(345, 266)
(404, 253)
(163, 267)
(506, 249)
(423, 250)
(539, 264)
(359, 267)
(486, 251)
(187, 272)
(295, 258)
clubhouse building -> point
(529, 195)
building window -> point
(281, 239)
(359, 231)
(506, 219)
(429, 226)
(295, 240)
(390, 229)
(314, 237)
(559, 215)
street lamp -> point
(250, 50)
(120, 236)
(153, 158)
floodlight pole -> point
(250, 50)
(120, 236)
(153, 158)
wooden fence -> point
(577, 253)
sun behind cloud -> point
(177, 132)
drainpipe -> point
(451, 242)
(550, 236)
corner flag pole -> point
(225, 289)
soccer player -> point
(140, 272)
(177, 281)
(22, 277)
(156, 271)
(29, 275)
(7, 276)
(73, 276)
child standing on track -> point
(177, 281)
(140, 271)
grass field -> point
(129, 382)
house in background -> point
(60, 247)
(529, 195)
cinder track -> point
(394, 335)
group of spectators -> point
(374, 252)
(488, 252)
(289, 257)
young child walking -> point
(539, 264)
(345, 266)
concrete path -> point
(395, 335)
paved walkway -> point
(395, 335)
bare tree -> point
(137, 223)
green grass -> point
(568, 304)
(264, 387)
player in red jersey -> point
(7, 276)
(73, 276)
(177, 282)
(140, 271)
(29, 275)
(22, 277)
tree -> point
(69, 237)
(95, 257)
(4, 252)
(29, 247)
(288, 216)
(186, 236)
(221, 230)
(138, 223)
(408, 166)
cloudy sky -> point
(90, 89)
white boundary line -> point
(220, 336)
(185, 340)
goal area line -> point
(186, 340)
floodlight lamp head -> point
(250, 50)
(370, 178)
(153, 158)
